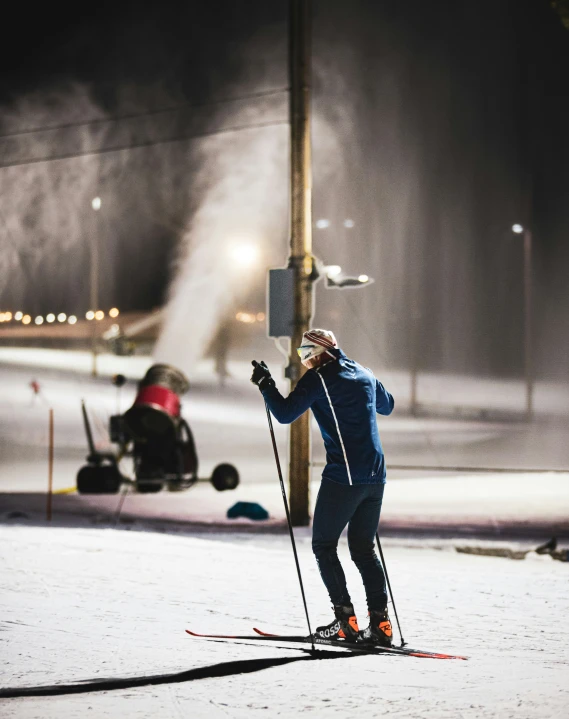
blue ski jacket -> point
(344, 398)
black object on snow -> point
(251, 510)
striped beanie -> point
(315, 342)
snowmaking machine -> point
(158, 439)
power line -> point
(137, 145)
(147, 113)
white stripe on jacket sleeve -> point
(337, 427)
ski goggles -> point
(306, 352)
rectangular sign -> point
(280, 303)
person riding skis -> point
(344, 398)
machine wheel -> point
(148, 487)
(225, 476)
(99, 479)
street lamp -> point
(527, 238)
(94, 246)
(244, 254)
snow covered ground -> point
(81, 604)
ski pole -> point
(272, 431)
(403, 642)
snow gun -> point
(157, 438)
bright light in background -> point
(348, 224)
(96, 203)
(333, 270)
(90, 315)
(518, 229)
(113, 312)
(72, 319)
(99, 314)
(18, 316)
(322, 224)
(249, 318)
(26, 319)
(363, 278)
(61, 317)
(2, 317)
(39, 320)
(244, 254)
(51, 317)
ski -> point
(290, 639)
(303, 639)
(404, 651)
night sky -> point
(471, 99)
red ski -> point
(406, 651)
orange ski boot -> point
(345, 626)
(379, 630)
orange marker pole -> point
(50, 467)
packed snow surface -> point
(82, 604)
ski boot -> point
(345, 626)
(379, 631)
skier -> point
(344, 398)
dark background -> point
(451, 119)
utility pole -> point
(94, 281)
(528, 311)
(300, 259)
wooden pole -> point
(50, 467)
(300, 243)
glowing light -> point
(322, 224)
(51, 317)
(363, 278)
(113, 312)
(18, 316)
(99, 315)
(39, 320)
(2, 317)
(518, 229)
(245, 317)
(260, 316)
(26, 319)
(244, 254)
(90, 315)
(61, 317)
(348, 224)
(72, 319)
(333, 270)
(8, 316)
(96, 203)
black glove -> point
(261, 375)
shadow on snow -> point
(223, 669)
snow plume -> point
(150, 167)
(39, 202)
(237, 229)
(242, 209)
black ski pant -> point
(359, 507)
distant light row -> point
(39, 320)
(100, 315)
(61, 317)
(248, 318)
